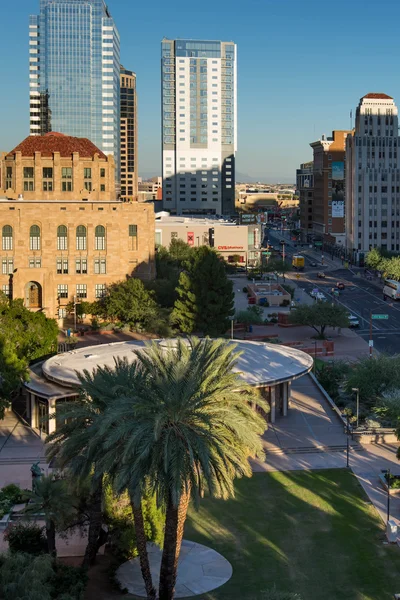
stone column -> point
(285, 399)
(289, 392)
(52, 408)
(273, 407)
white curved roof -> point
(260, 364)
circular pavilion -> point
(270, 367)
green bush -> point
(68, 580)
(245, 290)
(248, 317)
(285, 302)
(26, 537)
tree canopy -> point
(129, 302)
(24, 336)
(205, 294)
(319, 316)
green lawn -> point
(310, 532)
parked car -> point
(320, 296)
(340, 285)
(314, 264)
(321, 275)
(353, 320)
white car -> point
(353, 320)
(320, 296)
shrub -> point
(69, 580)
(248, 317)
(273, 320)
(245, 290)
(26, 537)
(285, 302)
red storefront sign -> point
(190, 238)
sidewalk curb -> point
(328, 398)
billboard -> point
(337, 209)
(338, 189)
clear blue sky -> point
(302, 65)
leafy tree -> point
(179, 251)
(331, 376)
(164, 290)
(27, 577)
(77, 445)
(319, 316)
(188, 427)
(374, 259)
(205, 295)
(51, 497)
(129, 302)
(374, 377)
(280, 267)
(24, 336)
(248, 317)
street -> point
(360, 296)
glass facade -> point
(74, 71)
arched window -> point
(81, 237)
(7, 234)
(100, 237)
(34, 237)
(62, 237)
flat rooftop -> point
(260, 364)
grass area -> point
(311, 532)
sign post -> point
(378, 317)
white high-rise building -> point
(199, 132)
(373, 177)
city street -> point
(360, 296)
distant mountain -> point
(243, 178)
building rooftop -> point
(57, 142)
(164, 217)
(260, 364)
(377, 96)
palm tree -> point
(51, 498)
(73, 448)
(191, 426)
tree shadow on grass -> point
(311, 532)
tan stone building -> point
(57, 250)
(57, 167)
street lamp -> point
(358, 401)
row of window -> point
(62, 237)
(62, 291)
(62, 265)
(47, 172)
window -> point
(81, 237)
(88, 185)
(7, 266)
(81, 266)
(100, 266)
(66, 174)
(47, 186)
(34, 237)
(81, 290)
(87, 173)
(62, 266)
(102, 172)
(66, 186)
(28, 173)
(100, 237)
(102, 187)
(62, 237)
(7, 237)
(62, 290)
(29, 182)
(6, 289)
(35, 262)
(133, 243)
(100, 290)
(47, 173)
(8, 177)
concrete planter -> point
(385, 485)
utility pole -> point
(74, 313)
(371, 343)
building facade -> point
(60, 245)
(328, 191)
(305, 190)
(74, 72)
(199, 126)
(129, 136)
(57, 167)
(236, 243)
(373, 177)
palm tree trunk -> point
(95, 523)
(174, 524)
(51, 538)
(141, 541)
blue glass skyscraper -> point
(74, 72)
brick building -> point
(57, 248)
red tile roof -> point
(57, 142)
(378, 96)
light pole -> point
(74, 313)
(388, 496)
(358, 401)
(348, 444)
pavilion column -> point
(52, 408)
(289, 392)
(285, 398)
(273, 404)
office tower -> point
(74, 73)
(199, 130)
(328, 191)
(373, 177)
(129, 164)
(304, 190)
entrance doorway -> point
(33, 295)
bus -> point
(391, 289)
(298, 262)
